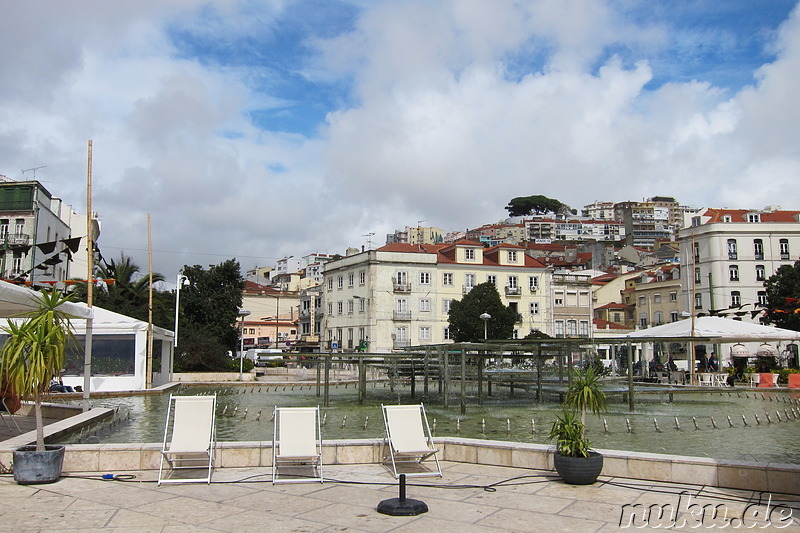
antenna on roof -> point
(34, 169)
(369, 239)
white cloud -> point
(458, 107)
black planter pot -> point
(32, 467)
(579, 470)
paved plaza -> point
(469, 498)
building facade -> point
(400, 294)
(729, 253)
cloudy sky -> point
(259, 129)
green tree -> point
(209, 310)
(537, 204)
(464, 317)
(783, 297)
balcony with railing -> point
(17, 239)
(400, 343)
(401, 287)
(513, 291)
(465, 289)
(402, 315)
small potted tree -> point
(32, 354)
(574, 461)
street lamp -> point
(183, 281)
(486, 317)
(242, 313)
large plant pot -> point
(579, 470)
(32, 467)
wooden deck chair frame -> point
(189, 438)
(408, 439)
(297, 442)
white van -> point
(265, 356)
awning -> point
(15, 300)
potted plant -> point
(33, 354)
(574, 461)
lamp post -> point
(486, 317)
(182, 281)
(242, 313)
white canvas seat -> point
(189, 438)
(409, 440)
(296, 445)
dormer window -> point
(512, 256)
(726, 218)
(469, 254)
(754, 217)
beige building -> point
(400, 294)
(731, 252)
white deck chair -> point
(191, 443)
(409, 440)
(296, 445)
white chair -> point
(189, 438)
(721, 380)
(754, 379)
(296, 445)
(409, 439)
(705, 379)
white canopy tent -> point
(15, 299)
(717, 328)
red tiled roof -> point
(612, 305)
(605, 324)
(740, 215)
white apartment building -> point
(574, 229)
(400, 294)
(729, 253)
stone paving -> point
(244, 499)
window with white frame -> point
(736, 299)
(697, 277)
(658, 318)
(558, 298)
(469, 280)
(362, 277)
(732, 253)
(424, 305)
(533, 283)
(572, 328)
(350, 307)
(446, 334)
(584, 328)
(673, 296)
(447, 279)
(362, 305)
(424, 333)
(559, 328)
(762, 297)
(512, 256)
(784, 247)
(512, 282)
(733, 272)
(760, 273)
(340, 307)
(330, 308)
(758, 249)
(340, 282)
(469, 254)
(698, 301)
(491, 278)
(534, 308)
(657, 298)
(330, 284)
(754, 217)
(673, 316)
(425, 278)
(351, 278)
(446, 305)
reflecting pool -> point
(735, 425)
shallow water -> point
(516, 418)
